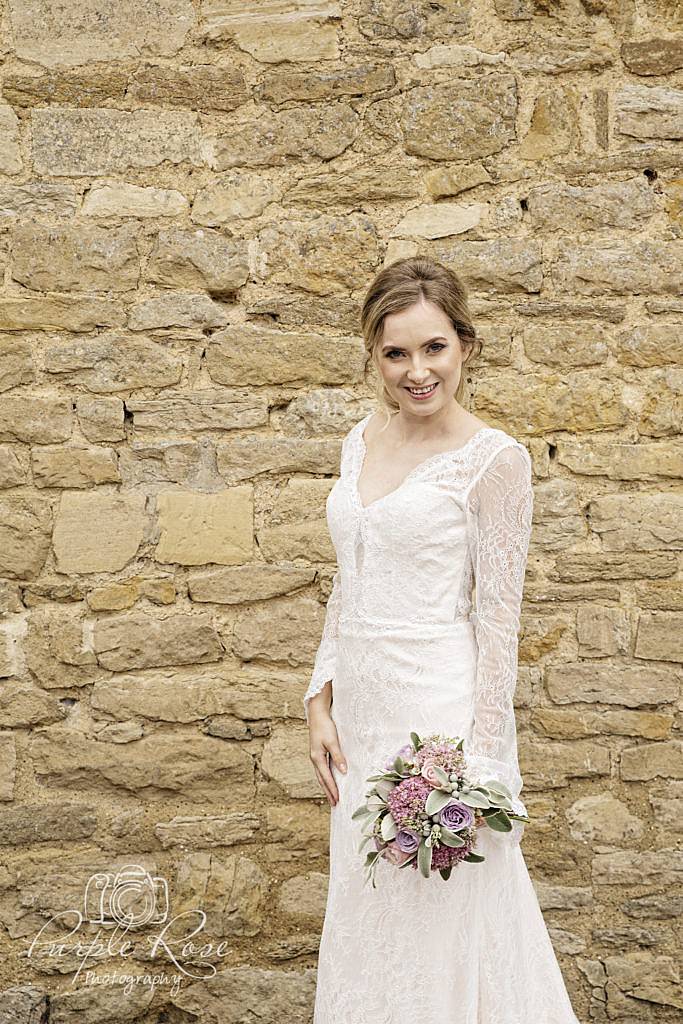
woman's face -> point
(420, 347)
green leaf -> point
(495, 786)
(451, 839)
(446, 872)
(473, 799)
(416, 741)
(389, 828)
(424, 859)
(399, 765)
(441, 775)
(436, 800)
(474, 858)
(360, 812)
(384, 787)
(499, 822)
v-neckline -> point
(360, 462)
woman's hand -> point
(324, 739)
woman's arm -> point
(326, 656)
(499, 506)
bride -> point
(431, 521)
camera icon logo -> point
(131, 898)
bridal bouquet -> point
(425, 810)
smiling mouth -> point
(423, 391)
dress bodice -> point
(449, 542)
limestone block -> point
(232, 197)
(54, 34)
(630, 522)
(283, 996)
(25, 524)
(37, 199)
(75, 466)
(34, 419)
(275, 31)
(10, 150)
(659, 636)
(137, 640)
(71, 142)
(157, 767)
(630, 867)
(251, 354)
(649, 112)
(197, 86)
(101, 419)
(78, 258)
(123, 199)
(54, 823)
(485, 124)
(604, 819)
(239, 584)
(652, 760)
(610, 684)
(191, 411)
(208, 831)
(58, 312)
(114, 362)
(641, 266)
(179, 309)
(199, 528)
(97, 532)
(8, 767)
(197, 259)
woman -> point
(426, 505)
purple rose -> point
(455, 815)
(404, 752)
(407, 840)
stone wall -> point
(193, 198)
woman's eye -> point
(392, 352)
(437, 345)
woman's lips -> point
(423, 397)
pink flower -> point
(395, 855)
(428, 773)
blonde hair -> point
(399, 286)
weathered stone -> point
(622, 461)
(231, 890)
(123, 199)
(451, 181)
(198, 259)
(8, 767)
(71, 143)
(74, 466)
(271, 138)
(499, 266)
(196, 768)
(629, 867)
(37, 199)
(101, 419)
(79, 258)
(570, 724)
(23, 1004)
(323, 255)
(198, 86)
(16, 363)
(609, 684)
(34, 420)
(58, 312)
(358, 80)
(641, 976)
(649, 112)
(139, 641)
(153, 465)
(77, 34)
(627, 522)
(10, 151)
(603, 632)
(486, 122)
(667, 805)
(241, 583)
(562, 897)
(192, 411)
(232, 197)
(653, 56)
(283, 630)
(659, 636)
(114, 362)
(650, 344)
(652, 760)
(25, 524)
(439, 220)
(551, 765)
(199, 528)
(23, 705)
(98, 532)
(405, 21)
(251, 456)
(373, 182)
(622, 566)
(208, 831)
(641, 266)
(551, 130)
(55, 650)
(46, 823)
(624, 204)
(251, 354)
(284, 996)
(181, 310)
(304, 896)
(584, 345)
(68, 87)
(286, 763)
(603, 819)
(275, 32)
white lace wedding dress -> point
(407, 649)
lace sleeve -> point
(499, 507)
(326, 656)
